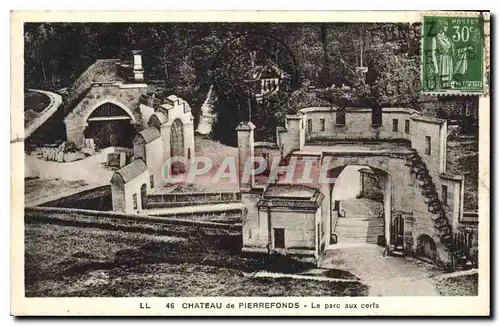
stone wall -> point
(299, 227)
(254, 227)
(358, 124)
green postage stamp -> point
(454, 57)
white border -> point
(130, 306)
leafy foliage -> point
(181, 56)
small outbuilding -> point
(130, 186)
(288, 222)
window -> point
(322, 124)
(151, 181)
(279, 238)
(189, 153)
(336, 205)
(134, 199)
(427, 145)
(444, 195)
(395, 127)
(340, 118)
(407, 126)
(309, 125)
(376, 117)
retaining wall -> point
(127, 222)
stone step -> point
(358, 235)
(354, 228)
(361, 216)
(359, 220)
(360, 225)
(357, 229)
(374, 241)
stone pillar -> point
(189, 145)
(138, 70)
(245, 153)
(387, 208)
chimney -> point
(138, 70)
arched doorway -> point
(360, 205)
(109, 125)
(144, 196)
(426, 248)
(177, 139)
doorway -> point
(279, 238)
(144, 196)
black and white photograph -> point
(207, 159)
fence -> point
(192, 198)
(465, 249)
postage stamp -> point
(453, 53)
(250, 163)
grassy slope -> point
(458, 286)
(70, 261)
(34, 103)
(37, 188)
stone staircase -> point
(361, 223)
(431, 198)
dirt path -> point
(386, 276)
(91, 169)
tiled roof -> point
(287, 190)
(161, 117)
(132, 170)
(149, 134)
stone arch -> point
(426, 248)
(109, 124)
(379, 169)
(112, 101)
(177, 138)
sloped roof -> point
(172, 98)
(160, 116)
(287, 190)
(103, 70)
(132, 170)
(265, 144)
(149, 134)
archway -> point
(426, 248)
(359, 205)
(110, 125)
(177, 138)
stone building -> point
(130, 186)
(403, 151)
(112, 101)
(103, 103)
(112, 104)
